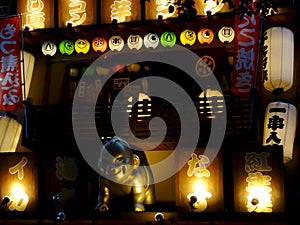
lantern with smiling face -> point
(66, 47)
(168, 39)
(205, 36)
(82, 46)
(116, 43)
(99, 44)
(49, 48)
(188, 37)
(151, 40)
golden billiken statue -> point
(126, 174)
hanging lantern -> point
(135, 42)
(226, 34)
(49, 48)
(168, 39)
(116, 43)
(99, 44)
(133, 67)
(280, 127)
(205, 36)
(66, 47)
(82, 46)
(10, 131)
(188, 37)
(28, 61)
(151, 40)
(278, 59)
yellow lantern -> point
(278, 57)
(188, 37)
(99, 44)
(280, 127)
(205, 36)
(82, 46)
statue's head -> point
(117, 160)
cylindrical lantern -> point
(10, 131)
(29, 61)
(278, 61)
(280, 127)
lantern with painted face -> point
(66, 47)
(188, 37)
(116, 43)
(205, 36)
(226, 34)
(49, 48)
(82, 46)
(99, 44)
(168, 39)
(135, 42)
(151, 40)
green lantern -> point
(168, 39)
(66, 47)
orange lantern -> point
(99, 44)
(205, 36)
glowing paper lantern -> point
(29, 61)
(116, 43)
(151, 40)
(82, 46)
(49, 48)
(278, 58)
(205, 36)
(188, 37)
(99, 44)
(168, 39)
(19, 180)
(226, 34)
(135, 42)
(10, 132)
(66, 47)
(280, 127)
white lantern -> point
(226, 34)
(280, 127)
(278, 61)
(10, 132)
(49, 48)
(151, 40)
(29, 61)
(135, 42)
(116, 43)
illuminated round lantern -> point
(205, 36)
(151, 40)
(82, 46)
(49, 48)
(135, 42)
(66, 47)
(116, 43)
(188, 37)
(226, 34)
(168, 39)
(99, 44)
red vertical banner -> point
(10, 66)
(245, 55)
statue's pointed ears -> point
(136, 160)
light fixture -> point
(70, 28)
(193, 200)
(160, 218)
(254, 202)
(160, 20)
(60, 217)
(10, 132)
(55, 199)
(114, 23)
(4, 203)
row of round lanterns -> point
(150, 40)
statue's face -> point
(116, 161)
